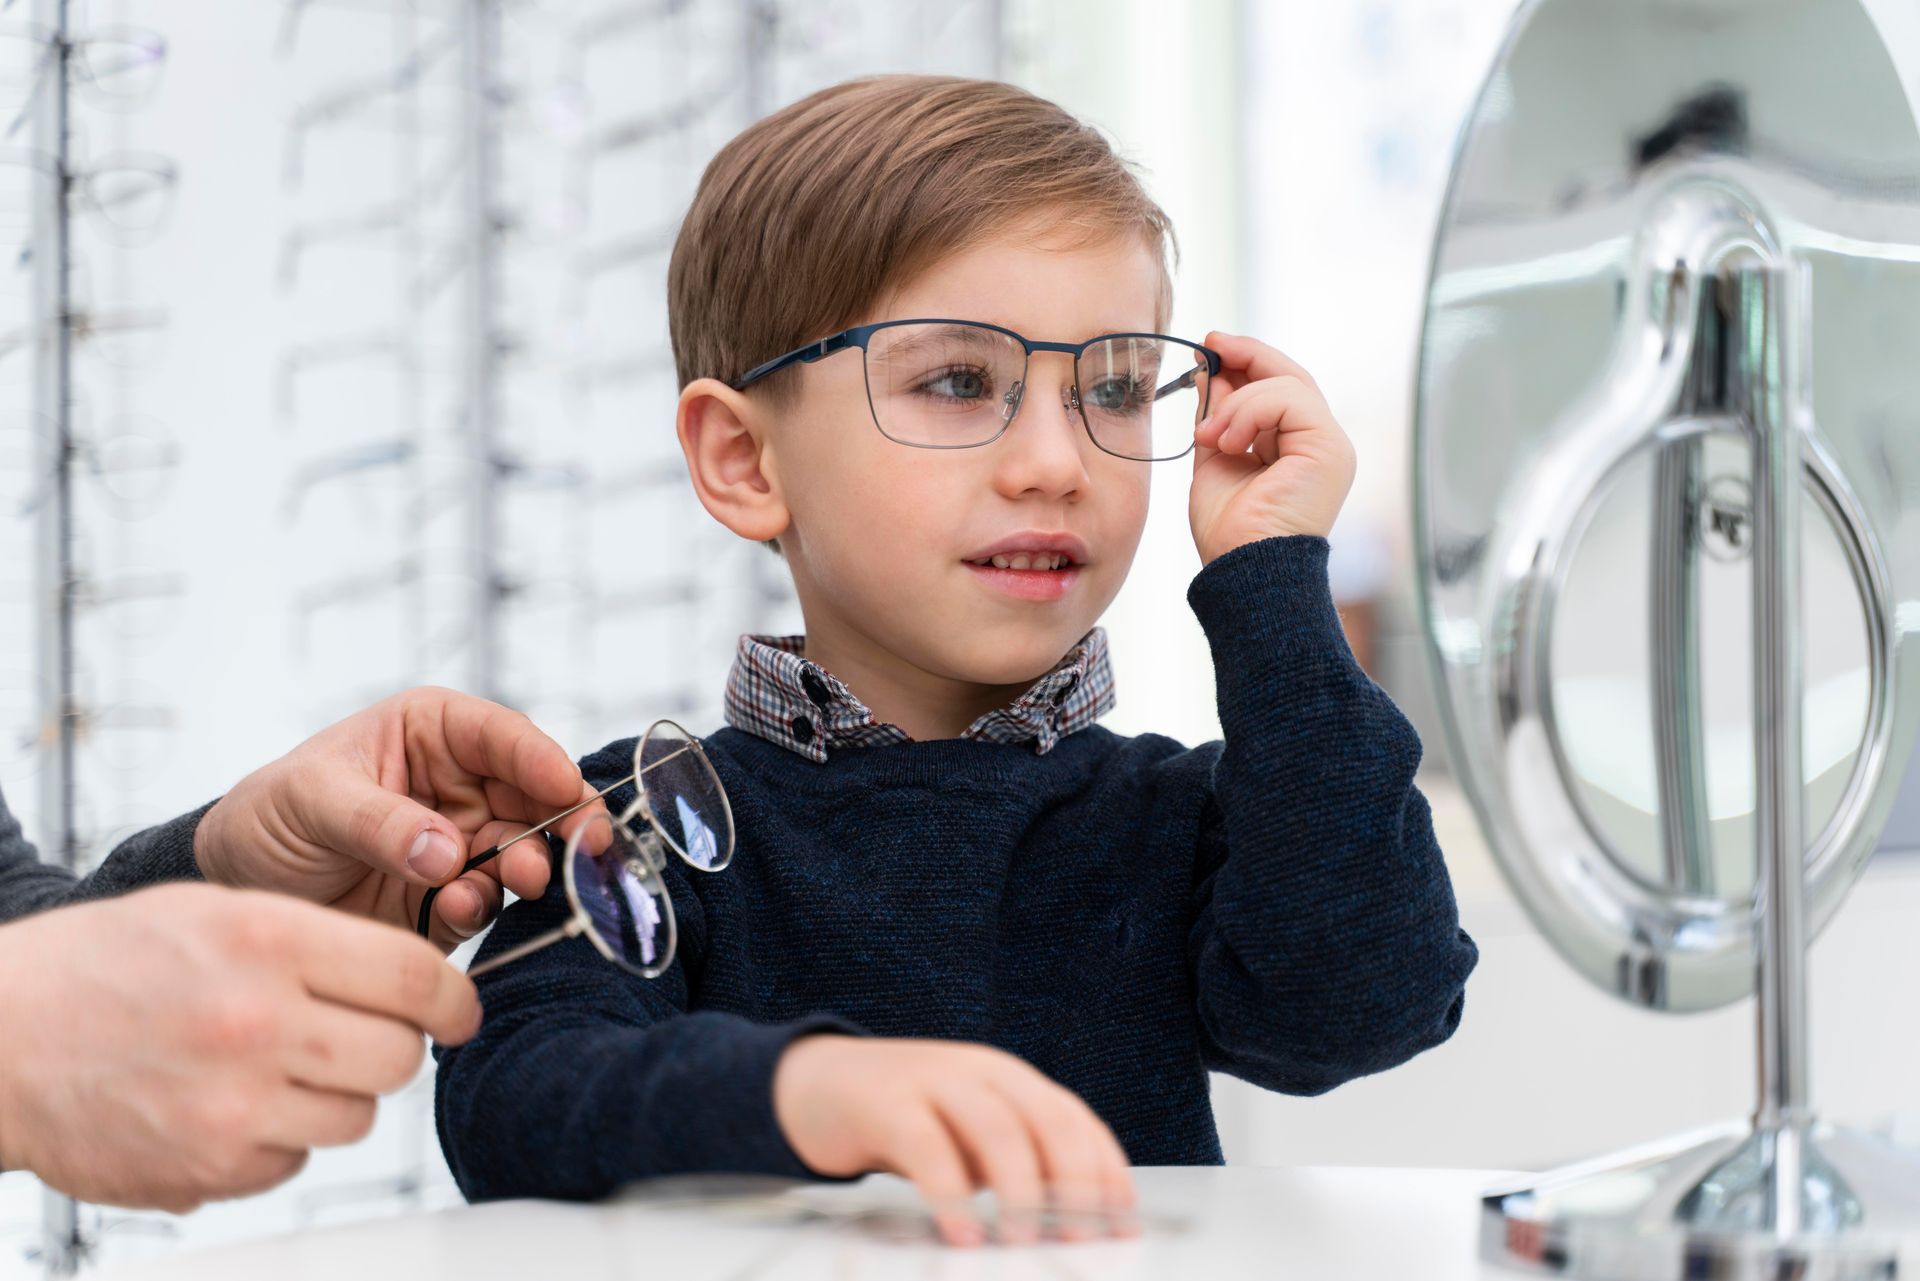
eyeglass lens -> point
(619, 890)
(956, 385)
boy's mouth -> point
(1030, 567)
(1025, 560)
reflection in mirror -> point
(1605, 699)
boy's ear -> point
(723, 435)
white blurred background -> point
(389, 432)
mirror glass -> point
(1585, 594)
(1604, 701)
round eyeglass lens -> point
(684, 795)
(629, 916)
(1142, 396)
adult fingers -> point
(999, 1148)
(445, 727)
(511, 805)
(382, 970)
(922, 1150)
(351, 814)
(303, 1117)
(332, 1047)
(258, 1170)
(464, 908)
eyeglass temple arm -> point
(799, 355)
(487, 856)
(572, 928)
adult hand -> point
(189, 1042)
(367, 814)
(954, 1119)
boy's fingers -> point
(1274, 408)
(999, 1147)
(1258, 360)
(923, 1152)
(1081, 1158)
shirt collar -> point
(780, 696)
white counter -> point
(1326, 1224)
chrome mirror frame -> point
(1652, 235)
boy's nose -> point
(1041, 450)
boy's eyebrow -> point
(921, 335)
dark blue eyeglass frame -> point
(860, 335)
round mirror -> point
(1690, 826)
(1583, 473)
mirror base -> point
(1702, 1206)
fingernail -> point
(433, 856)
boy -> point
(970, 936)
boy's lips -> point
(1027, 584)
(1036, 565)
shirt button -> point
(816, 689)
(802, 729)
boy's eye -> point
(1118, 395)
(962, 384)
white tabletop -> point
(1326, 1224)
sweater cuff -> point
(753, 1142)
(153, 857)
(1273, 592)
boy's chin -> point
(1004, 660)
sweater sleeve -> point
(585, 1077)
(27, 885)
(1325, 943)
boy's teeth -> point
(1023, 560)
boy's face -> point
(884, 537)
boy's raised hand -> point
(1269, 458)
(954, 1119)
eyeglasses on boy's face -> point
(957, 384)
(612, 864)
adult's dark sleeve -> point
(28, 885)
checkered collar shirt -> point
(775, 693)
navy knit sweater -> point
(1123, 913)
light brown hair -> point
(813, 213)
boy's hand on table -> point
(954, 1119)
(188, 1043)
(370, 812)
(1269, 458)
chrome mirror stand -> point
(1779, 1196)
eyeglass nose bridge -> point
(648, 856)
(1017, 395)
